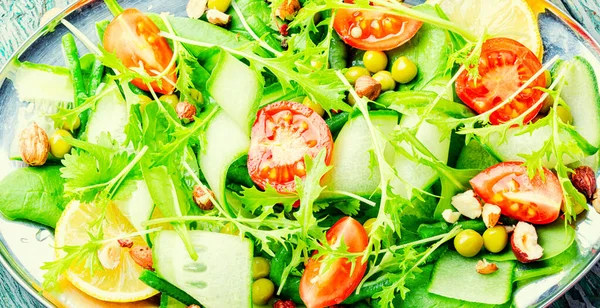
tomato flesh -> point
(369, 30)
(281, 135)
(504, 66)
(507, 185)
(320, 287)
(135, 39)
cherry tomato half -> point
(322, 288)
(504, 66)
(134, 38)
(507, 185)
(369, 30)
(281, 135)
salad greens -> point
(203, 131)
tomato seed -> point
(356, 32)
(311, 143)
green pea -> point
(404, 70)
(468, 243)
(564, 114)
(547, 104)
(495, 239)
(548, 76)
(261, 268)
(170, 99)
(368, 225)
(230, 228)
(58, 146)
(220, 5)
(72, 126)
(386, 80)
(312, 105)
(197, 96)
(355, 72)
(262, 290)
(375, 60)
(144, 101)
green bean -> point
(72, 61)
(369, 289)
(95, 77)
(336, 122)
(430, 230)
(136, 90)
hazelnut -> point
(450, 216)
(284, 304)
(185, 111)
(193, 306)
(467, 204)
(202, 199)
(596, 201)
(485, 268)
(110, 255)
(217, 17)
(125, 243)
(288, 9)
(195, 8)
(584, 179)
(368, 87)
(34, 145)
(142, 255)
(509, 229)
(490, 214)
(524, 243)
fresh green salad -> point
(314, 153)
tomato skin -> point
(337, 283)
(135, 39)
(507, 185)
(391, 30)
(504, 66)
(282, 134)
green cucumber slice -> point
(204, 279)
(351, 158)
(225, 143)
(236, 88)
(138, 207)
(454, 276)
(40, 83)
(111, 115)
(581, 95)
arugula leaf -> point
(253, 199)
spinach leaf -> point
(429, 49)
(34, 194)
(257, 14)
(337, 52)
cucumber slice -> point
(39, 83)
(454, 276)
(582, 96)
(240, 102)
(138, 207)
(111, 115)
(352, 155)
(204, 279)
(225, 143)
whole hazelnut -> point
(288, 9)
(34, 145)
(185, 111)
(368, 87)
(584, 179)
(202, 199)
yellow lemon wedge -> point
(116, 279)
(499, 18)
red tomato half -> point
(281, 135)
(369, 30)
(505, 65)
(134, 38)
(332, 286)
(507, 185)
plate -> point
(25, 246)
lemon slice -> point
(502, 18)
(119, 284)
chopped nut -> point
(367, 86)
(203, 200)
(142, 255)
(596, 201)
(284, 304)
(491, 214)
(110, 255)
(195, 8)
(509, 229)
(34, 145)
(186, 112)
(524, 243)
(584, 179)
(125, 243)
(484, 267)
(288, 9)
(450, 216)
(467, 204)
(217, 17)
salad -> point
(309, 153)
